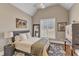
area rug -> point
(56, 50)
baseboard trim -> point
(59, 42)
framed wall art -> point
(61, 26)
(36, 30)
(21, 23)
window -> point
(47, 28)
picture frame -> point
(36, 30)
(61, 26)
(21, 23)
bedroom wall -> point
(58, 12)
(8, 15)
(74, 13)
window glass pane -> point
(47, 28)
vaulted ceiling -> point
(31, 8)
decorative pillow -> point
(28, 35)
(18, 38)
(23, 36)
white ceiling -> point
(31, 8)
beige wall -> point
(8, 15)
(57, 12)
(74, 13)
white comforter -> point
(25, 45)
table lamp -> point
(8, 35)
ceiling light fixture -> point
(42, 5)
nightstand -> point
(9, 50)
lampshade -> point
(8, 34)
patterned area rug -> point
(54, 50)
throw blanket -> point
(37, 47)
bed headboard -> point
(17, 33)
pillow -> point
(18, 38)
(23, 36)
(28, 35)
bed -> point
(33, 45)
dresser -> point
(71, 39)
